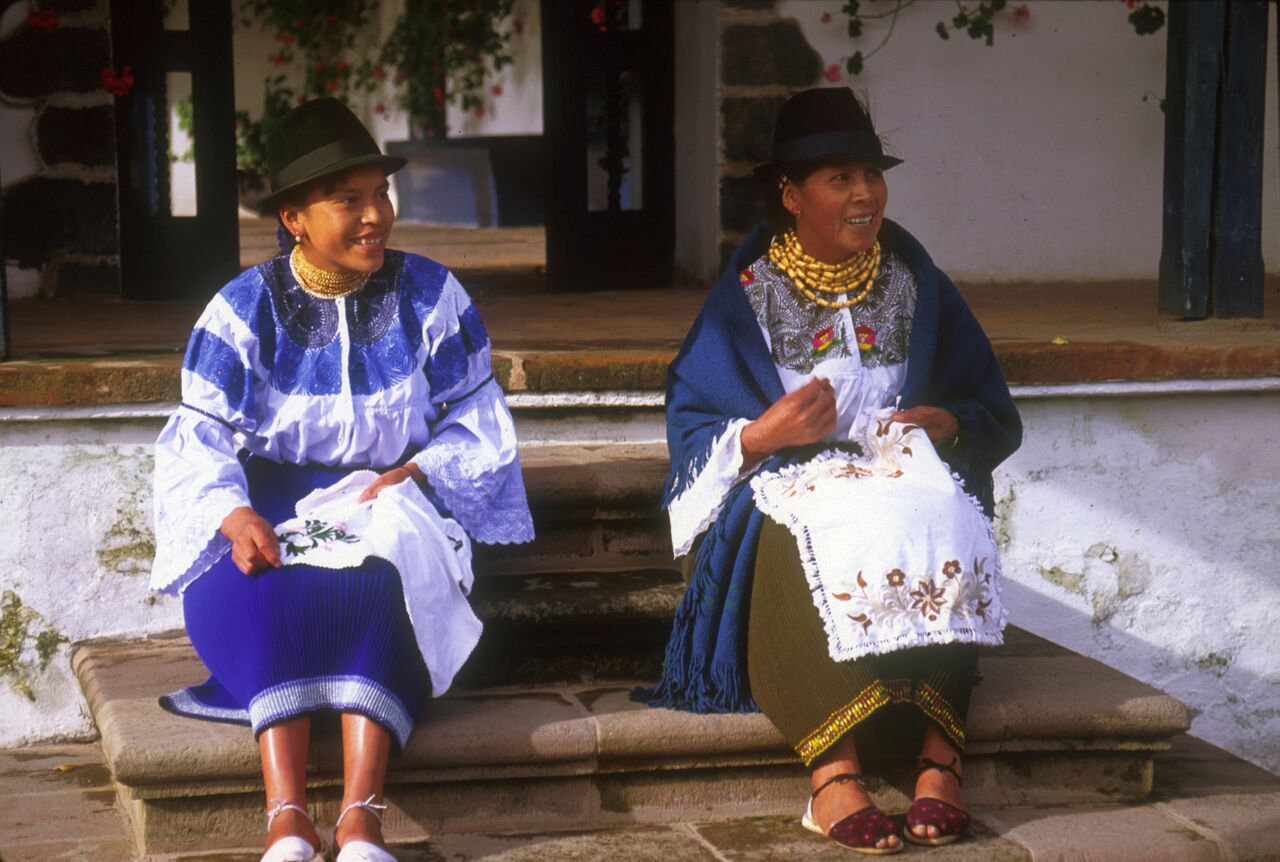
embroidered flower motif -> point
(866, 338)
(929, 599)
(823, 340)
(747, 277)
(951, 568)
(315, 534)
(896, 578)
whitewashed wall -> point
(1137, 529)
(1033, 159)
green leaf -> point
(855, 28)
(942, 30)
(854, 64)
(1146, 19)
(960, 21)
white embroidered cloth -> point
(896, 554)
(433, 555)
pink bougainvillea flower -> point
(479, 112)
(43, 20)
(866, 337)
(341, 66)
(826, 17)
(379, 73)
(379, 108)
(823, 340)
(438, 94)
(597, 16)
(832, 73)
(519, 27)
(332, 86)
(280, 59)
(117, 84)
(496, 89)
(1021, 14)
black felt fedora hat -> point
(318, 138)
(825, 122)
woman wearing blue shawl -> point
(340, 443)
(831, 343)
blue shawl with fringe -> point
(724, 371)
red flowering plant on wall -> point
(436, 53)
(43, 20)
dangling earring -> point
(297, 238)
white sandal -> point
(363, 851)
(291, 848)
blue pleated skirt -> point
(299, 639)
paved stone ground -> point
(59, 806)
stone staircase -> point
(540, 735)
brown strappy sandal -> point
(952, 823)
(860, 830)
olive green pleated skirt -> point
(813, 699)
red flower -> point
(44, 21)
(319, 66)
(598, 17)
(866, 337)
(333, 17)
(332, 86)
(438, 94)
(341, 66)
(823, 339)
(297, 23)
(1129, 4)
(286, 38)
(747, 277)
(519, 27)
(826, 17)
(1021, 14)
(379, 73)
(119, 84)
(379, 108)
(832, 73)
(496, 89)
(479, 112)
(280, 59)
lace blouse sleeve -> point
(471, 462)
(198, 478)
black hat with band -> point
(824, 123)
(315, 139)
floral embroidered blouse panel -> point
(861, 350)
(398, 370)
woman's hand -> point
(939, 424)
(254, 548)
(796, 419)
(394, 476)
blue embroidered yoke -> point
(397, 371)
(724, 372)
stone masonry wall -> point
(764, 58)
(62, 218)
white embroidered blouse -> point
(861, 350)
(400, 368)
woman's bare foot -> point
(290, 822)
(359, 825)
(937, 783)
(842, 798)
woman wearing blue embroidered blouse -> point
(833, 419)
(340, 443)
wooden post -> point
(1195, 37)
(4, 294)
(1237, 270)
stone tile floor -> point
(59, 806)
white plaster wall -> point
(1140, 530)
(1035, 158)
(1143, 532)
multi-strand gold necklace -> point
(853, 278)
(321, 283)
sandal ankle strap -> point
(927, 763)
(369, 805)
(282, 806)
(842, 778)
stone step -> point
(595, 508)
(582, 627)
(1046, 727)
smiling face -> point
(838, 209)
(344, 221)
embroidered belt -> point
(872, 698)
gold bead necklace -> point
(321, 283)
(811, 277)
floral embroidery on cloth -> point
(334, 530)
(896, 554)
